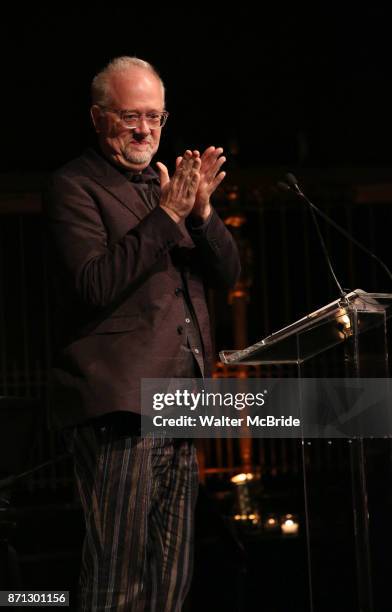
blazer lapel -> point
(121, 188)
(113, 181)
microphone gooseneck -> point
(291, 184)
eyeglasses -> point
(131, 120)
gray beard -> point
(138, 158)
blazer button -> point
(178, 291)
(180, 329)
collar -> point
(147, 175)
(113, 180)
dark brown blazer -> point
(116, 275)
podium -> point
(345, 338)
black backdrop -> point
(272, 84)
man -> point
(131, 251)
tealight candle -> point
(289, 526)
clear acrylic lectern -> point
(349, 338)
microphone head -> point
(292, 181)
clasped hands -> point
(189, 190)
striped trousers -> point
(138, 496)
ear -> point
(95, 113)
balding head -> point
(102, 84)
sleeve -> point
(99, 274)
(218, 251)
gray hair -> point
(100, 86)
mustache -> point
(144, 140)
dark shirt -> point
(146, 183)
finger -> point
(186, 161)
(217, 181)
(184, 173)
(211, 153)
(163, 174)
(187, 155)
(210, 160)
(193, 184)
(196, 163)
(210, 172)
(184, 165)
(190, 176)
(187, 166)
(217, 165)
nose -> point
(142, 126)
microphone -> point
(293, 186)
(293, 183)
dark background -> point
(273, 85)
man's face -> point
(139, 91)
